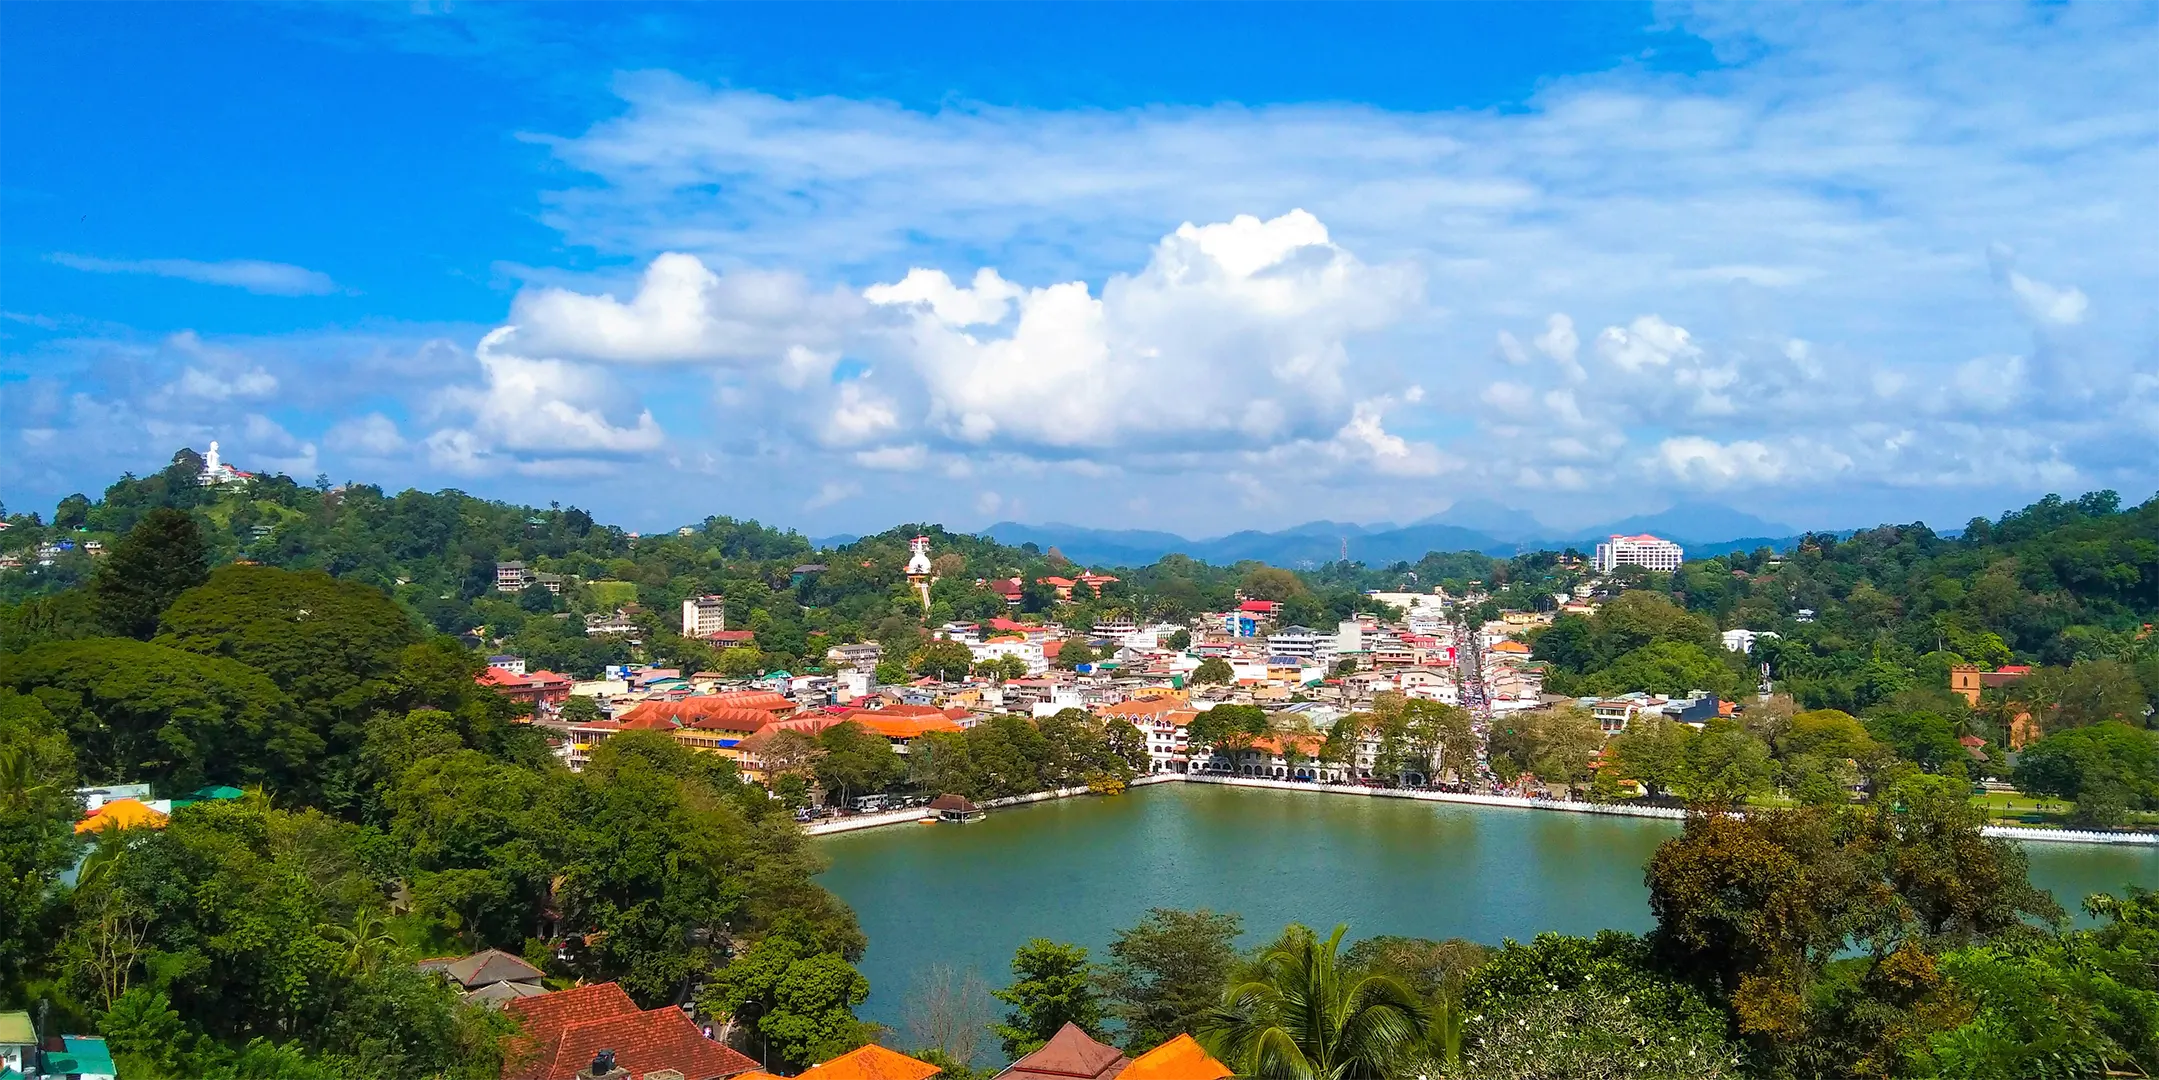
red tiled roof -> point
(563, 1031)
(1263, 607)
(690, 711)
(896, 709)
(1071, 1053)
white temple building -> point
(216, 472)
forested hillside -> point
(435, 554)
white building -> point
(1028, 651)
(1742, 641)
(1302, 642)
(1649, 552)
(703, 615)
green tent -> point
(216, 791)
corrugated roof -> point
(15, 1029)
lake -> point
(1078, 870)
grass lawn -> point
(2011, 807)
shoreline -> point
(923, 814)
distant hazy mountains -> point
(1472, 525)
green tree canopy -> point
(944, 659)
(1213, 670)
(796, 993)
(334, 647)
(2107, 769)
(856, 761)
(1053, 985)
(137, 711)
(146, 570)
(1166, 970)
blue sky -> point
(1197, 268)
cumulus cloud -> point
(685, 312)
(529, 410)
(254, 275)
(1236, 330)
(986, 302)
(371, 435)
(1648, 342)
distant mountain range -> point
(1704, 529)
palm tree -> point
(1302, 1017)
(18, 779)
(368, 937)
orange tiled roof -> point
(753, 699)
(902, 727)
(1181, 1058)
(1511, 647)
(872, 1062)
(122, 814)
(1308, 745)
(743, 720)
(1148, 707)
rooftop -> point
(1181, 1058)
(563, 1031)
(1071, 1054)
(872, 1062)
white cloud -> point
(252, 383)
(860, 416)
(986, 303)
(1648, 342)
(2060, 307)
(894, 458)
(1232, 332)
(370, 435)
(266, 446)
(1511, 350)
(832, 492)
(684, 312)
(1560, 343)
(1390, 455)
(531, 410)
(254, 275)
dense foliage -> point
(393, 809)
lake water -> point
(1078, 870)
